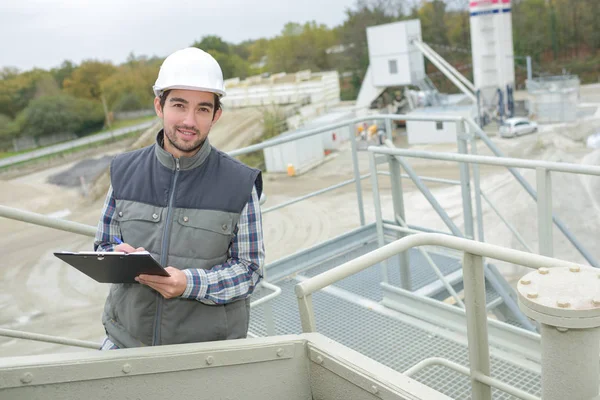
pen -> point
(119, 241)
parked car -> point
(517, 126)
(593, 141)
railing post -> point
(565, 301)
(378, 215)
(398, 200)
(388, 128)
(475, 302)
(361, 207)
(307, 314)
(476, 187)
(465, 181)
(544, 205)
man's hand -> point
(169, 286)
(126, 248)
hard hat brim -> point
(158, 91)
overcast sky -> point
(44, 33)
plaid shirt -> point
(235, 279)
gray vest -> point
(185, 213)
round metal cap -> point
(562, 297)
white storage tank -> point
(492, 46)
(429, 132)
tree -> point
(85, 82)
(58, 114)
(433, 25)
(133, 79)
(300, 47)
(231, 64)
(63, 72)
(18, 90)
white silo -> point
(492, 48)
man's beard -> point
(191, 147)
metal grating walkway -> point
(391, 341)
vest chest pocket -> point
(140, 224)
(202, 234)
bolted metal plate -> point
(561, 292)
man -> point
(195, 209)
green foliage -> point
(8, 130)
(86, 81)
(16, 91)
(49, 115)
(130, 102)
(231, 63)
(134, 79)
(63, 72)
(300, 47)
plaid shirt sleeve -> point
(238, 276)
(108, 227)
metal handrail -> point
(488, 160)
(276, 292)
(313, 194)
(512, 229)
(316, 131)
(498, 384)
(477, 337)
(49, 339)
(542, 168)
(529, 189)
(435, 268)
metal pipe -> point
(465, 182)
(508, 225)
(544, 207)
(477, 335)
(435, 268)
(398, 202)
(276, 292)
(425, 191)
(356, 170)
(487, 160)
(563, 228)
(388, 129)
(313, 194)
(42, 220)
(426, 239)
(465, 371)
(307, 313)
(378, 217)
(563, 351)
(449, 67)
(426, 178)
(477, 187)
(444, 70)
(49, 339)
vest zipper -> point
(164, 257)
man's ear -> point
(217, 116)
(157, 107)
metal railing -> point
(464, 138)
(543, 179)
(474, 287)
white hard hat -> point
(190, 69)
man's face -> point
(187, 118)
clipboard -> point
(113, 267)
